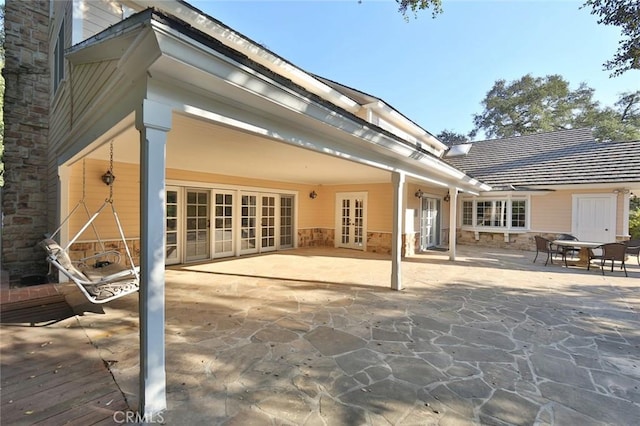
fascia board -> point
(184, 51)
(407, 125)
(254, 51)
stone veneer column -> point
(26, 120)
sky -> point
(434, 71)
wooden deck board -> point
(52, 374)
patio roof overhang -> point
(221, 92)
(170, 96)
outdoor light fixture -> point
(419, 193)
(447, 197)
(108, 178)
(313, 195)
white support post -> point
(64, 173)
(397, 179)
(153, 120)
(453, 215)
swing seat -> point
(99, 284)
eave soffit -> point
(138, 42)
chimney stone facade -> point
(26, 124)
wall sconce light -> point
(419, 193)
(108, 178)
(313, 195)
(447, 197)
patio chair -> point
(565, 250)
(615, 252)
(633, 247)
(544, 245)
(100, 282)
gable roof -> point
(565, 157)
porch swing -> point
(100, 277)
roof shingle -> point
(556, 158)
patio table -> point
(584, 246)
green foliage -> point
(450, 137)
(544, 104)
(634, 218)
(404, 6)
(626, 15)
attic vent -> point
(458, 150)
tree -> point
(626, 15)
(450, 137)
(415, 5)
(622, 122)
(543, 104)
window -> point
(497, 213)
(58, 60)
(518, 214)
(491, 213)
(467, 213)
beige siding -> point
(89, 80)
(59, 113)
(552, 212)
(99, 15)
(125, 195)
(312, 213)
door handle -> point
(606, 229)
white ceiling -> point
(204, 147)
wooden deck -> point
(50, 372)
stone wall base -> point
(521, 241)
(316, 237)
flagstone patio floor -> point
(317, 337)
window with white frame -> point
(505, 213)
(58, 59)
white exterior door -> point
(197, 242)
(223, 232)
(429, 223)
(351, 220)
(268, 222)
(594, 217)
(173, 234)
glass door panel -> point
(286, 221)
(248, 223)
(429, 223)
(197, 225)
(223, 223)
(173, 222)
(351, 220)
(268, 223)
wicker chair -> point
(633, 247)
(615, 252)
(544, 245)
(565, 251)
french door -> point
(197, 225)
(223, 233)
(172, 233)
(259, 222)
(351, 220)
(212, 223)
(429, 223)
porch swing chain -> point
(117, 219)
(110, 200)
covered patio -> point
(315, 336)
